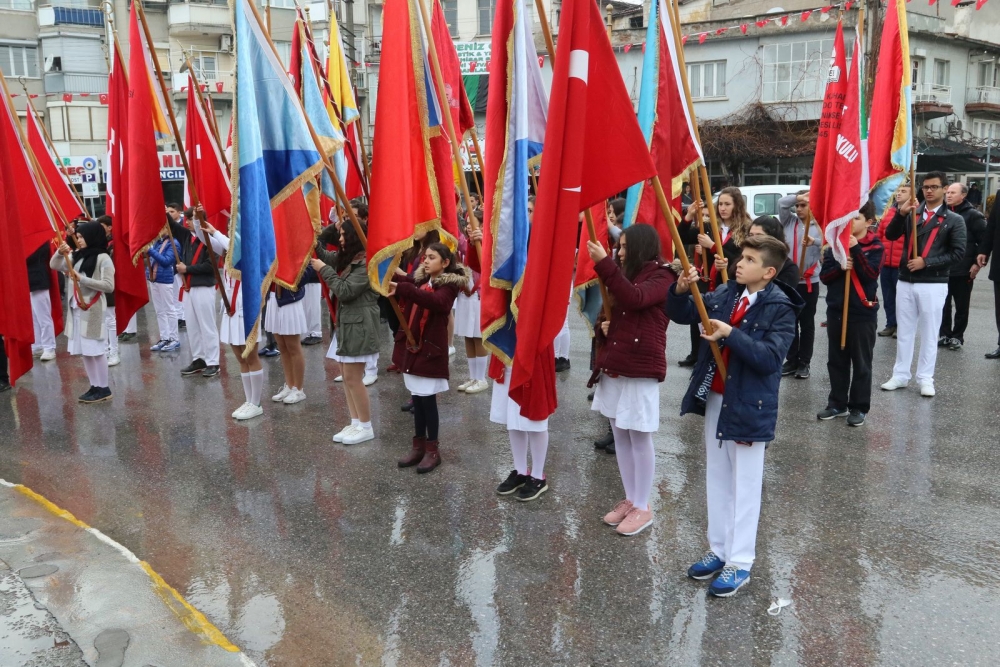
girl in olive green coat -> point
(356, 339)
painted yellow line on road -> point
(192, 619)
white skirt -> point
(421, 386)
(503, 409)
(288, 320)
(366, 359)
(634, 403)
(80, 344)
(467, 316)
(231, 331)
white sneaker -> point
(339, 378)
(451, 350)
(294, 396)
(895, 383)
(477, 386)
(49, 355)
(239, 410)
(358, 435)
(113, 360)
(249, 411)
(465, 385)
(927, 388)
(369, 380)
(347, 430)
(280, 396)
(37, 352)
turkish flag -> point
(131, 292)
(208, 173)
(67, 205)
(146, 215)
(590, 122)
(67, 97)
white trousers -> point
(111, 325)
(202, 329)
(165, 305)
(178, 306)
(919, 309)
(561, 342)
(312, 303)
(133, 325)
(41, 320)
(734, 475)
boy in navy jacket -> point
(753, 322)
(852, 397)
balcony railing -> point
(931, 93)
(70, 13)
(190, 14)
(983, 95)
(70, 82)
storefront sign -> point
(81, 170)
(474, 57)
(171, 167)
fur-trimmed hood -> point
(459, 280)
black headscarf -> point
(97, 244)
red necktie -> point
(928, 214)
(718, 386)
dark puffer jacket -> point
(427, 312)
(635, 346)
(975, 232)
(757, 350)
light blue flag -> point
(647, 104)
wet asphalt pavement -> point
(303, 552)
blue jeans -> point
(888, 278)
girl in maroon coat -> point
(631, 364)
(429, 295)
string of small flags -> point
(822, 13)
(103, 97)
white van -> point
(763, 199)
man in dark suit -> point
(991, 246)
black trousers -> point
(959, 291)
(695, 340)
(996, 306)
(851, 368)
(801, 351)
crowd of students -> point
(760, 289)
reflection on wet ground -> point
(308, 553)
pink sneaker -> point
(618, 514)
(635, 521)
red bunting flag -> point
(979, 4)
(721, 30)
(702, 37)
(103, 98)
(784, 21)
(743, 28)
(804, 16)
(684, 39)
(628, 47)
(67, 97)
(763, 22)
(591, 121)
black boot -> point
(605, 441)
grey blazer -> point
(101, 283)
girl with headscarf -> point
(92, 276)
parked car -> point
(763, 199)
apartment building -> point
(58, 49)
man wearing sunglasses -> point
(923, 278)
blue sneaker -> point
(730, 581)
(158, 345)
(171, 346)
(707, 567)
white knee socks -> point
(256, 385)
(247, 386)
(636, 464)
(519, 448)
(97, 370)
(477, 367)
(539, 442)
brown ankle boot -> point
(432, 458)
(416, 454)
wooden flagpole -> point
(195, 203)
(702, 171)
(448, 121)
(337, 185)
